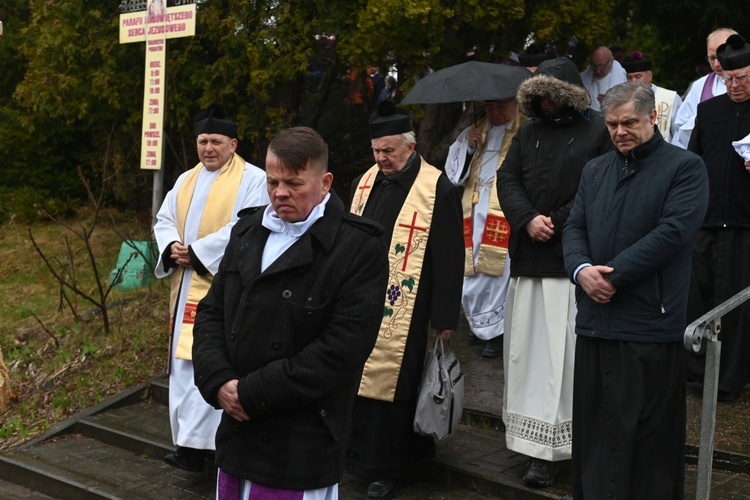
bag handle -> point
(443, 349)
(438, 342)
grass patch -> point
(52, 382)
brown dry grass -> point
(58, 364)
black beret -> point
(389, 120)
(214, 121)
(635, 63)
(734, 54)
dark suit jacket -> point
(296, 336)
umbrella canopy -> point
(469, 81)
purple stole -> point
(708, 87)
(229, 489)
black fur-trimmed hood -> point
(556, 79)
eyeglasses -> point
(739, 79)
(711, 59)
(601, 66)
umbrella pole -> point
(474, 109)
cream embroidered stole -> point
(406, 258)
(217, 212)
(664, 107)
(494, 246)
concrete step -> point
(75, 466)
(115, 450)
(477, 457)
(141, 428)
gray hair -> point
(409, 137)
(638, 92)
(718, 31)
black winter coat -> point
(296, 336)
(719, 122)
(541, 171)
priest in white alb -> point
(473, 160)
(702, 89)
(192, 229)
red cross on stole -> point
(496, 232)
(413, 227)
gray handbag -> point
(440, 402)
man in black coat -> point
(420, 210)
(720, 264)
(291, 316)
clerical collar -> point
(272, 222)
(407, 166)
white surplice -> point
(538, 357)
(483, 297)
(194, 421)
(684, 122)
(599, 86)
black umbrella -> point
(469, 81)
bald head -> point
(602, 52)
(601, 61)
(713, 41)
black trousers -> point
(382, 439)
(721, 268)
(628, 420)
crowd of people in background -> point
(579, 225)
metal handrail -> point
(707, 328)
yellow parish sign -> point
(154, 26)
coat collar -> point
(406, 177)
(643, 151)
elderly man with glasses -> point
(602, 74)
(720, 264)
(702, 89)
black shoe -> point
(470, 335)
(381, 489)
(188, 459)
(494, 348)
(727, 396)
(540, 473)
